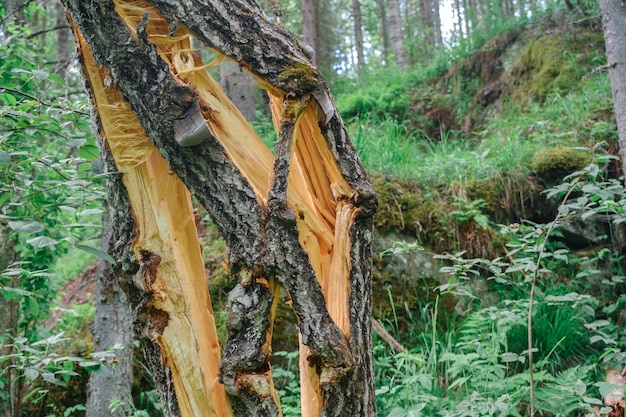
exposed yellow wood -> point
(310, 395)
(184, 327)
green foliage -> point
(482, 365)
(47, 194)
(382, 93)
(50, 200)
(287, 381)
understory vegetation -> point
(502, 224)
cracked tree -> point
(300, 219)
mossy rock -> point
(554, 62)
(553, 164)
(405, 209)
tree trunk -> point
(426, 27)
(15, 11)
(384, 30)
(468, 18)
(240, 87)
(112, 328)
(8, 326)
(614, 25)
(438, 36)
(300, 220)
(398, 45)
(459, 18)
(64, 56)
(358, 36)
(309, 28)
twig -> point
(42, 102)
(44, 31)
(383, 334)
(10, 15)
(531, 299)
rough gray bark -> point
(396, 36)
(112, 327)
(8, 325)
(263, 242)
(241, 88)
(614, 26)
(358, 36)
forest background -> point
(489, 131)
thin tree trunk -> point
(398, 45)
(300, 220)
(459, 18)
(437, 24)
(8, 326)
(62, 41)
(614, 26)
(112, 328)
(358, 36)
(309, 28)
(468, 18)
(384, 30)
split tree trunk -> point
(614, 25)
(301, 220)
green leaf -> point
(9, 99)
(593, 401)
(57, 79)
(88, 152)
(11, 293)
(4, 197)
(33, 306)
(30, 374)
(26, 226)
(97, 252)
(606, 388)
(42, 242)
(89, 364)
(579, 387)
(510, 357)
(42, 75)
(50, 378)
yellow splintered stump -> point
(324, 216)
(317, 192)
(180, 315)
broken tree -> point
(300, 220)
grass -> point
(505, 144)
